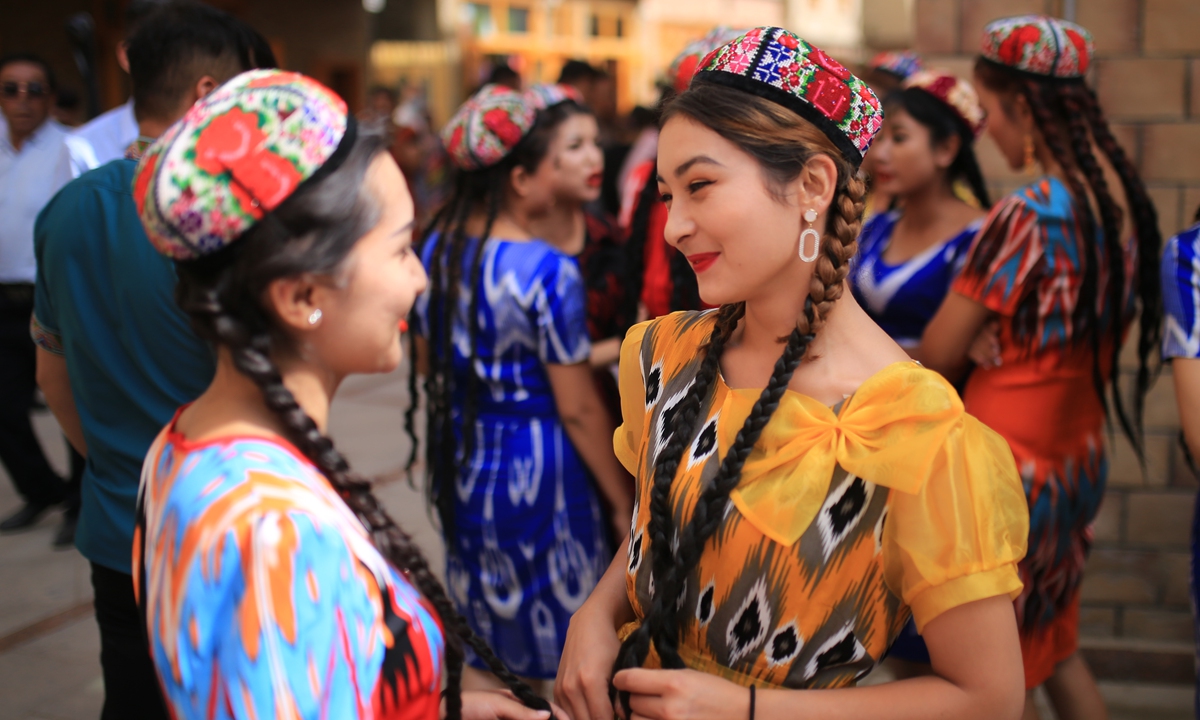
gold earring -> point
(1030, 159)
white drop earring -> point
(810, 216)
(315, 317)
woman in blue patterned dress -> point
(517, 430)
(908, 256)
(1181, 347)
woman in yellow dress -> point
(803, 487)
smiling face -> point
(375, 289)
(576, 159)
(740, 238)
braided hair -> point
(783, 144)
(1069, 117)
(943, 124)
(314, 231)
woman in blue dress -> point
(908, 255)
(1181, 347)
(518, 438)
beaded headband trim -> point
(779, 66)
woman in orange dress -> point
(1059, 267)
(802, 486)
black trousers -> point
(131, 687)
(20, 452)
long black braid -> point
(313, 232)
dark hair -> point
(783, 144)
(1069, 116)
(314, 231)
(502, 74)
(473, 191)
(32, 59)
(67, 99)
(943, 124)
(574, 71)
(138, 10)
(178, 45)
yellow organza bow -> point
(889, 432)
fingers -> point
(599, 707)
(640, 681)
(561, 713)
(647, 706)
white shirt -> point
(27, 182)
(98, 142)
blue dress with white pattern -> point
(903, 298)
(1181, 339)
(530, 541)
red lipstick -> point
(595, 179)
(702, 261)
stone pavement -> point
(49, 645)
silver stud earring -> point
(315, 317)
(810, 216)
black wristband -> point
(751, 702)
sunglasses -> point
(33, 89)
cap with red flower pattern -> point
(683, 67)
(488, 126)
(546, 95)
(235, 156)
(956, 93)
(1039, 45)
(901, 63)
(780, 66)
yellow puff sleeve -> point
(958, 539)
(627, 440)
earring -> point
(810, 216)
(1030, 159)
(315, 317)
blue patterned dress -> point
(1181, 339)
(903, 298)
(530, 540)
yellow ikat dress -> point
(845, 520)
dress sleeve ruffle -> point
(959, 538)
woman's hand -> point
(502, 705)
(985, 348)
(587, 659)
(682, 694)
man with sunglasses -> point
(29, 151)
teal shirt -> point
(106, 300)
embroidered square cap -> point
(1039, 45)
(488, 126)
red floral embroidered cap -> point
(1039, 45)
(901, 63)
(683, 67)
(545, 95)
(488, 126)
(959, 95)
(235, 156)
(777, 65)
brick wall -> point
(1147, 75)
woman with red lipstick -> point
(907, 257)
(803, 487)
(517, 434)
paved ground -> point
(49, 646)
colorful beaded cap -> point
(488, 126)
(234, 157)
(544, 95)
(777, 65)
(901, 63)
(1039, 45)
(959, 95)
(683, 67)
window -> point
(620, 27)
(594, 27)
(518, 20)
(479, 19)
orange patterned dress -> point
(846, 520)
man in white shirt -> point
(28, 152)
(106, 137)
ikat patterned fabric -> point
(1039, 45)
(235, 156)
(780, 66)
(488, 126)
(956, 93)
(1181, 295)
(901, 63)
